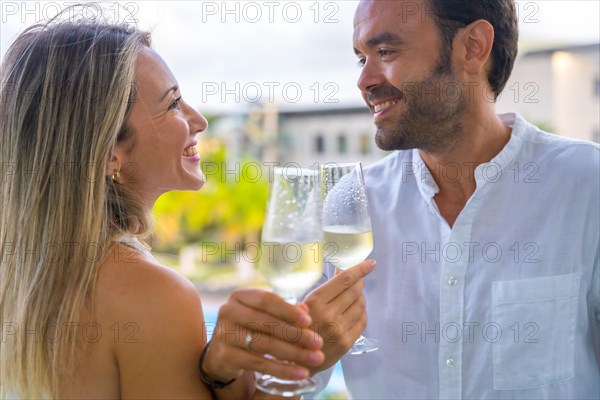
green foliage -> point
(545, 126)
(335, 396)
(228, 211)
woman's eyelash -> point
(175, 104)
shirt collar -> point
(425, 181)
(492, 171)
(484, 172)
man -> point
(485, 228)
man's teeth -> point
(190, 151)
(383, 106)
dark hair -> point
(451, 15)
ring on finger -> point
(248, 341)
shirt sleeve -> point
(596, 287)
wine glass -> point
(348, 238)
(292, 259)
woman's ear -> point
(113, 167)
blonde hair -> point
(67, 87)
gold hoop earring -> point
(116, 177)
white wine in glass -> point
(352, 244)
(291, 268)
(291, 252)
(347, 233)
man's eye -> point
(361, 62)
(384, 52)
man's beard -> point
(432, 111)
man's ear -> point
(476, 41)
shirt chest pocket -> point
(538, 317)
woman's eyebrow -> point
(171, 89)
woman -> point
(93, 129)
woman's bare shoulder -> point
(134, 288)
(129, 278)
(158, 315)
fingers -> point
(253, 323)
(235, 320)
(342, 281)
(236, 335)
(352, 275)
(248, 353)
(348, 297)
(355, 316)
(234, 348)
(333, 324)
(284, 349)
(227, 362)
(267, 365)
(338, 308)
(356, 310)
(272, 304)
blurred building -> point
(559, 89)
(305, 137)
(328, 135)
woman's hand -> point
(253, 323)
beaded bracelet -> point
(204, 376)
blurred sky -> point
(227, 54)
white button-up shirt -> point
(503, 305)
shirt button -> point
(450, 362)
(452, 281)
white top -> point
(504, 305)
(136, 246)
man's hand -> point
(337, 309)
